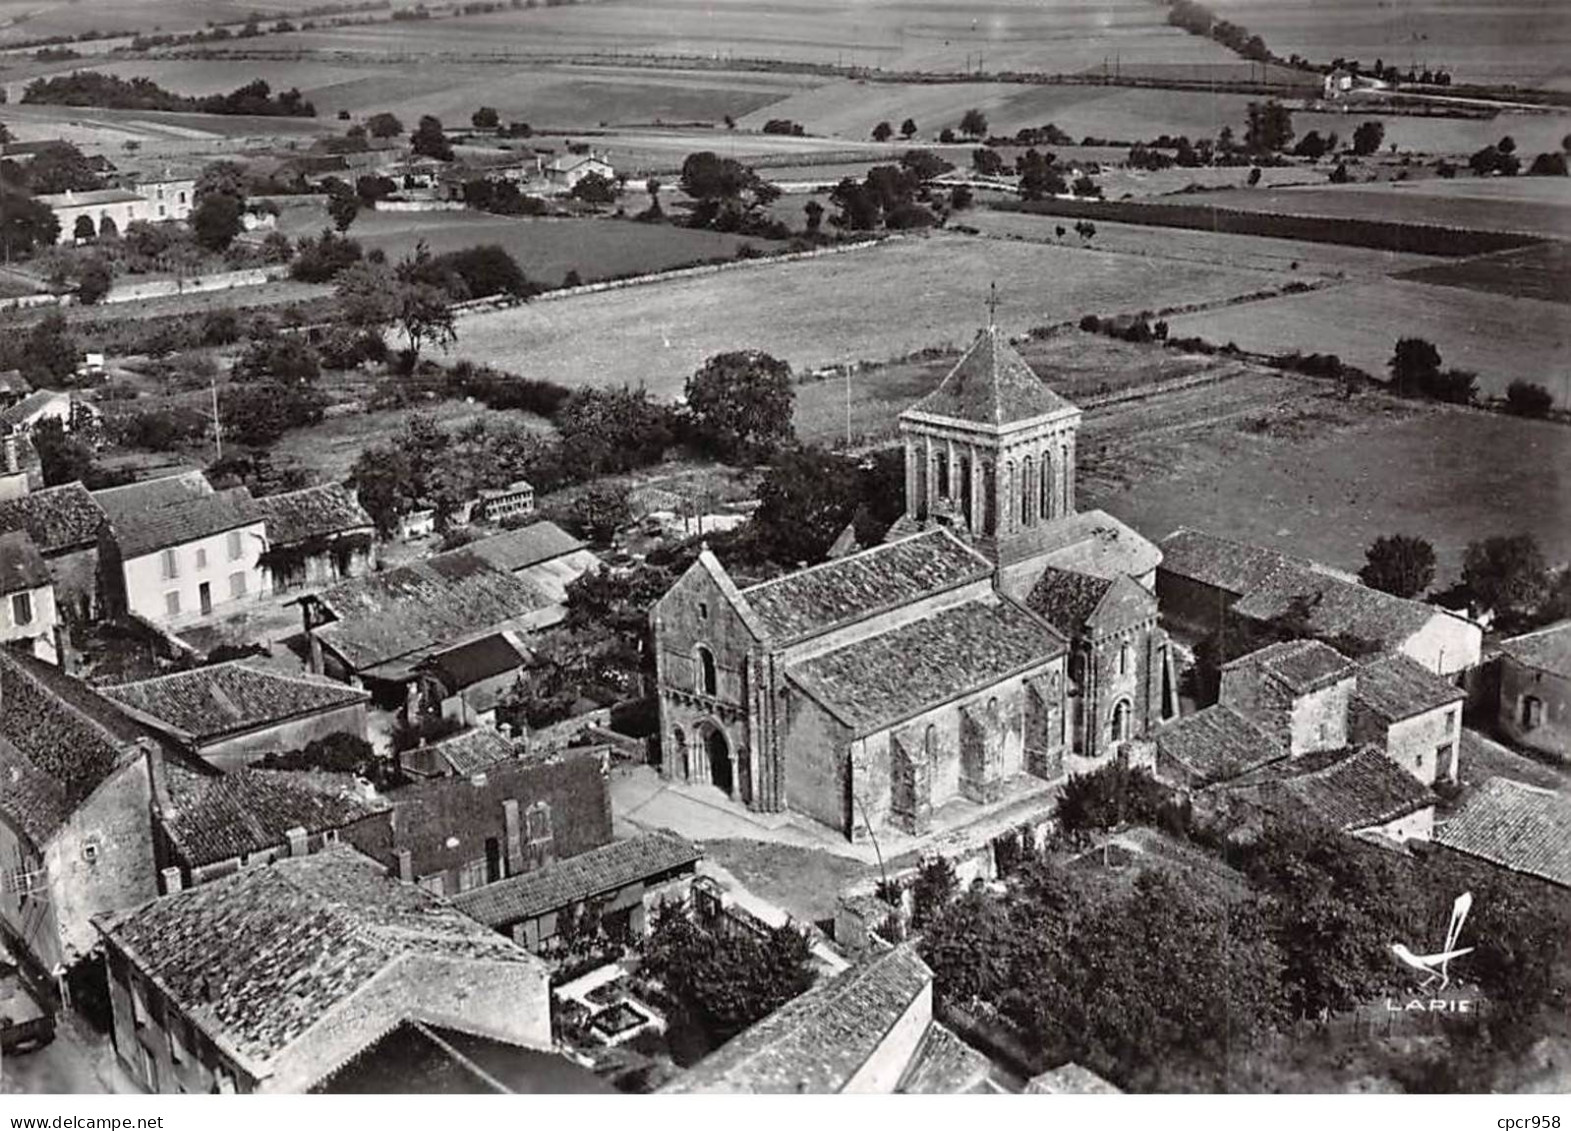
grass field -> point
(869, 304)
(546, 249)
(1448, 476)
(1544, 214)
(1265, 253)
(1503, 339)
(1541, 272)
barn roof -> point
(57, 518)
(312, 512)
(1515, 826)
(222, 699)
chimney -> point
(406, 869)
(515, 837)
(156, 777)
(297, 838)
(13, 462)
(172, 881)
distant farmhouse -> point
(998, 635)
(1535, 689)
(564, 173)
(109, 212)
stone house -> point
(86, 216)
(375, 631)
(624, 880)
(75, 826)
(564, 173)
(466, 683)
(176, 552)
(196, 977)
(1412, 714)
(451, 834)
(27, 598)
(1535, 689)
(1207, 585)
(316, 536)
(64, 523)
(231, 714)
(493, 504)
(869, 1029)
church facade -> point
(996, 633)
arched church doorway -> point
(679, 767)
(719, 752)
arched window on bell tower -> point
(1027, 492)
(941, 474)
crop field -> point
(33, 19)
(548, 249)
(1400, 203)
(1310, 474)
(1503, 339)
(877, 303)
(1009, 34)
(1541, 272)
(108, 130)
(1263, 252)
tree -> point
(1368, 137)
(485, 118)
(908, 128)
(25, 224)
(1548, 165)
(383, 480)
(1506, 144)
(61, 167)
(342, 207)
(1506, 574)
(1414, 366)
(221, 178)
(986, 161)
(936, 884)
(216, 221)
(384, 125)
(1527, 399)
(93, 280)
(593, 188)
(63, 458)
(813, 214)
(973, 123)
(600, 512)
(805, 501)
(47, 354)
(1312, 146)
(1399, 564)
(741, 404)
(883, 131)
(1269, 127)
(429, 140)
(1254, 176)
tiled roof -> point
(58, 518)
(429, 1060)
(146, 529)
(1397, 688)
(90, 196)
(64, 730)
(32, 798)
(313, 512)
(1071, 1080)
(470, 663)
(21, 565)
(1356, 791)
(471, 750)
(575, 879)
(224, 816)
(19, 413)
(146, 494)
(1335, 607)
(817, 1042)
(1516, 826)
(1219, 562)
(526, 546)
(1302, 665)
(1548, 649)
(991, 384)
(210, 702)
(12, 381)
(258, 957)
(881, 680)
(1095, 542)
(847, 589)
(1067, 599)
(944, 1066)
(1217, 743)
(423, 605)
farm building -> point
(176, 552)
(466, 683)
(64, 523)
(493, 504)
(542, 553)
(1535, 689)
(69, 410)
(316, 536)
(374, 631)
(1206, 583)
(109, 212)
(27, 598)
(196, 1002)
(231, 714)
(564, 173)
(625, 879)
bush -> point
(258, 414)
(320, 260)
(284, 359)
(1527, 399)
(220, 327)
(159, 430)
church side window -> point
(708, 677)
(1045, 489)
(1027, 492)
(941, 474)
(1123, 658)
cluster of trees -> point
(430, 140)
(1505, 575)
(93, 88)
(1499, 159)
(729, 197)
(1197, 19)
(777, 126)
(891, 196)
(884, 131)
(501, 197)
(1268, 127)
(1416, 372)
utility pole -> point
(218, 427)
(848, 404)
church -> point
(996, 634)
